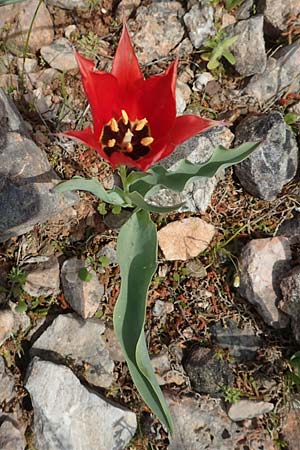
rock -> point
(277, 13)
(247, 409)
(60, 55)
(15, 22)
(162, 308)
(21, 320)
(44, 77)
(126, 8)
(244, 10)
(5, 63)
(9, 82)
(6, 324)
(115, 221)
(11, 437)
(290, 303)
(159, 29)
(263, 263)
(242, 344)
(26, 178)
(42, 103)
(274, 163)
(110, 251)
(29, 65)
(202, 80)
(199, 21)
(202, 424)
(185, 239)
(7, 384)
(197, 194)
(69, 336)
(282, 74)
(290, 429)
(249, 48)
(84, 296)
(70, 31)
(291, 230)
(69, 4)
(112, 344)
(164, 373)
(42, 276)
(208, 373)
(68, 416)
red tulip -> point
(134, 120)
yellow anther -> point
(129, 147)
(127, 137)
(114, 125)
(124, 116)
(140, 124)
(111, 143)
(147, 141)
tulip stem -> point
(123, 176)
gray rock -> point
(29, 65)
(290, 303)
(42, 103)
(247, 409)
(159, 29)
(69, 4)
(291, 230)
(263, 263)
(197, 194)
(274, 163)
(249, 48)
(67, 416)
(241, 343)
(7, 384)
(84, 296)
(164, 374)
(26, 178)
(277, 13)
(199, 21)
(16, 20)
(80, 340)
(42, 276)
(110, 251)
(208, 374)
(11, 437)
(282, 73)
(6, 324)
(244, 11)
(60, 55)
(126, 8)
(202, 424)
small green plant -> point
(216, 48)
(295, 374)
(17, 279)
(89, 44)
(85, 275)
(17, 276)
(292, 118)
(231, 394)
(230, 4)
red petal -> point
(102, 91)
(87, 137)
(157, 101)
(184, 128)
(125, 65)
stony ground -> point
(223, 313)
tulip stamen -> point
(132, 138)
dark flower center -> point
(133, 139)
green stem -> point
(123, 175)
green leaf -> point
(8, 2)
(139, 201)
(21, 306)
(213, 63)
(229, 41)
(186, 171)
(292, 118)
(133, 176)
(137, 256)
(229, 56)
(116, 210)
(115, 196)
(85, 275)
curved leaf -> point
(137, 255)
(115, 196)
(186, 171)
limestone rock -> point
(126, 8)
(69, 4)
(263, 263)
(83, 296)
(290, 303)
(15, 22)
(69, 416)
(42, 276)
(186, 238)
(26, 178)
(274, 163)
(282, 73)
(11, 437)
(277, 13)
(69, 336)
(7, 385)
(199, 21)
(60, 55)
(6, 324)
(247, 409)
(159, 29)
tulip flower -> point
(134, 120)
